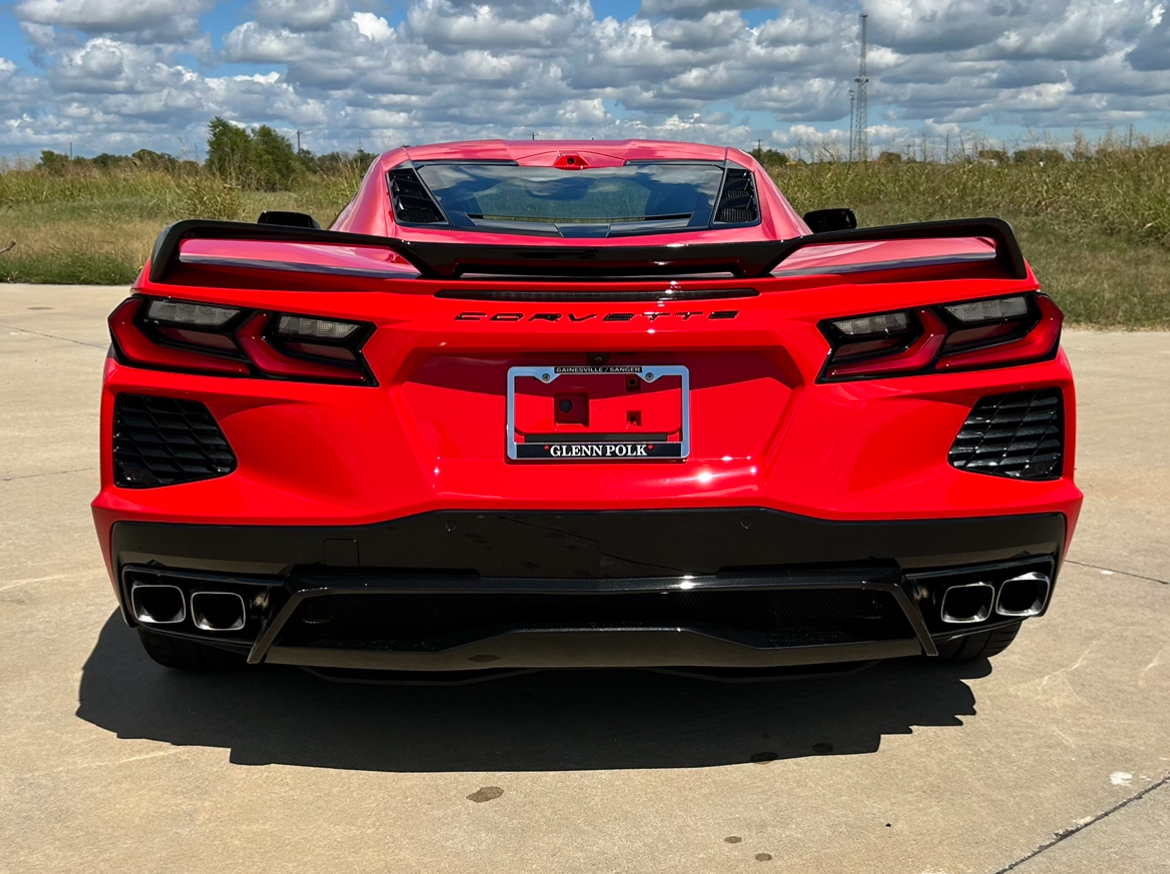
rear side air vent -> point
(413, 204)
(1019, 435)
(165, 441)
(737, 201)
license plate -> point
(607, 412)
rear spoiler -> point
(452, 260)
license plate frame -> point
(610, 449)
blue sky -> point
(118, 75)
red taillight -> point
(908, 357)
(137, 348)
(1038, 342)
(994, 332)
(266, 354)
(201, 338)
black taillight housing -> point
(966, 335)
(166, 334)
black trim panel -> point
(594, 649)
(591, 545)
(591, 647)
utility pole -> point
(298, 142)
(852, 100)
(862, 81)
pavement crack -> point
(8, 479)
(1111, 570)
(1068, 833)
(55, 336)
(85, 765)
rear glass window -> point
(604, 201)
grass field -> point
(1095, 228)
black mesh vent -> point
(737, 202)
(412, 202)
(164, 441)
(776, 617)
(1019, 435)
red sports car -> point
(583, 404)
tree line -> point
(257, 159)
(263, 159)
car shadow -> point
(542, 721)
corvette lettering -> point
(653, 316)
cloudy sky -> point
(118, 75)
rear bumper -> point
(458, 591)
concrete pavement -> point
(1052, 758)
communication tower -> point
(862, 112)
(852, 114)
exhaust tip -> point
(1025, 595)
(157, 604)
(218, 611)
(968, 603)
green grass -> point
(1096, 229)
(97, 227)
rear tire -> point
(978, 646)
(187, 655)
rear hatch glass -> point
(603, 201)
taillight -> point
(995, 332)
(271, 352)
(141, 341)
(204, 338)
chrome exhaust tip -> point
(218, 611)
(1025, 595)
(157, 604)
(968, 603)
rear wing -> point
(436, 260)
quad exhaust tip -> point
(157, 604)
(218, 611)
(1025, 595)
(968, 603)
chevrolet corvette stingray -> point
(583, 405)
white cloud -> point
(142, 71)
(451, 25)
(372, 27)
(696, 8)
(138, 20)
(301, 14)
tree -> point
(54, 162)
(262, 159)
(769, 157)
(229, 151)
(106, 161)
(362, 160)
(155, 160)
(890, 158)
(275, 162)
(996, 156)
(1038, 156)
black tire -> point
(979, 646)
(187, 655)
